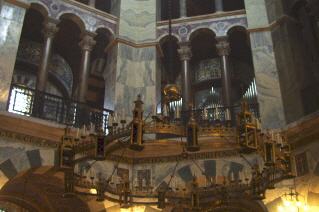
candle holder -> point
(206, 122)
(123, 122)
(217, 123)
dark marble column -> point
(182, 8)
(223, 51)
(49, 32)
(92, 3)
(185, 55)
(86, 45)
(219, 6)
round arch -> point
(40, 7)
(41, 191)
(200, 30)
(107, 32)
(165, 38)
(75, 18)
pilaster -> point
(11, 21)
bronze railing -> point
(29, 102)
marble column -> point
(11, 22)
(49, 31)
(223, 50)
(86, 45)
(185, 56)
(92, 3)
(219, 6)
(182, 8)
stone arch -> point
(242, 205)
(42, 8)
(107, 31)
(164, 38)
(41, 189)
(200, 30)
(75, 18)
(22, 161)
(236, 27)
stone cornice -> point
(203, 17)
(134, 45)
(19, 3)
(91, 9)
(283, 19)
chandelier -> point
(278, 161)
(292, 202)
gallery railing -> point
(211, 115)
(29, 102)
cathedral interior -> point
(159, 105)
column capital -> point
(185, 53)
(184, 50)
(223, 49)
(87, 42)
(49, 31)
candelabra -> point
(97, 146)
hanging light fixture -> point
(215, 123)
(292, 202)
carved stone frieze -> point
(28, 139)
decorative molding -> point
(304, 141)
(19, 3)
(28, 139)
(91, 9)
(202, 17)
(175, 158)
(283, 19)
(134, 45)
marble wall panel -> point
(288, 65)
(115, 7)
(138, 20)
(275, 10)
(256, 13)
(11, 20)
(136, 75)
(110, 79)
(269, 93)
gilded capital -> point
(49, 31)
(87, 43)
(223, 49)
(185, 53)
